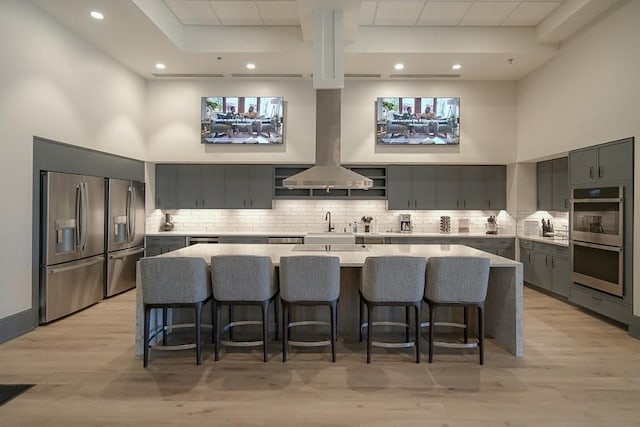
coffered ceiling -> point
(492, 40)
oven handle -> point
(610, 200)
(595, 246)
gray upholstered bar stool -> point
(392, 281)
(243, 280)
(311, 281)
(174, 283)
(457, 281)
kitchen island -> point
(504, 305)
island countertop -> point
(504, 302)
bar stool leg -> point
(216, 309)
(265, 330)
(198, 310)
(334, 321)
(275, 316)
(285, 329)
(361, 317)
(231, 321)
(481, 333)
(406, 321)
(417, 320)
(147, 321)
(164, 326)
(369, 328)
(432, 308)
(466, 324)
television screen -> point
(241, 120)
(418, 121)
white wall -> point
(53, 85)
(487, 122)
(587, 95)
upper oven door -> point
(596, 215)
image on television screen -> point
(241, 120)
(418, 121)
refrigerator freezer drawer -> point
(70, 287)
(121, 270)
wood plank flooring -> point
(578, 370)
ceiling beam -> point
(570, 17)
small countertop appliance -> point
(405, 222)
(492, 225)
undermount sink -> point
(329, 238)
(330, 248)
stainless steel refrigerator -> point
(124, 233)
(72, 257)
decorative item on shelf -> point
(547, 228)
(366, 220)
(445, 224)
(492, 225)
(463, 225)
(167, 225)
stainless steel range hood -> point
(327, 173)
(328, 75)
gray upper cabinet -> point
(609, 162)
(496, 187)
(188, 186)
(553, 185)
(471, 187)
(560, 169)
(544, 184)
(248, 186)
(411, 187)
(214, 186)
(166, 186)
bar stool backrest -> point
(174, 280)
(242, 278)
(309, 278)
(393, 278)
(457, 279)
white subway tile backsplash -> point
(308, 215)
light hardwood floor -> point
(578, 370)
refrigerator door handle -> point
(76, 266)
(85, 209)
(132, 210)
(129, 203)
(126, 254)
(78, 230)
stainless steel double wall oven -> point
(597, 238)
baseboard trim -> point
(634, 327)
(16, 325)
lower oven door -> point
(598, 266)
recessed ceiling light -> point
(456, 66)
(398, 66)
(96, 15)
(160, 66)
(251, 66)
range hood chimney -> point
(328, 79)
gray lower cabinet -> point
(610, 162)
(156, 245)
(546, 266)
(411, 187)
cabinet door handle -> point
(409, 203)
(596, 298)
(591, 172)
(464, 203)
(529, 256)
(489, 201)
(599, 171)
(566, 203)
(415, 204)
(546, 261)
(202, 203)
(196, 203)
(553, 264)
(457, 203)
(158, 203)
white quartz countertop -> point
(303, 233)
(348, 256)
(549, 240)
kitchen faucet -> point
(328, 216)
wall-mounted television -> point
(418, 121)
(242, 120)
